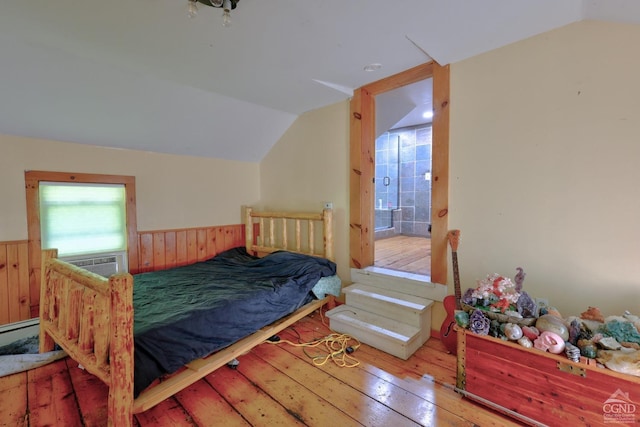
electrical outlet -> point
(328, 205)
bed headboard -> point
(267, 232)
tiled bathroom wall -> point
(403, 180)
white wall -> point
(172, 191)
(545, 165)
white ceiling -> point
(139, 74)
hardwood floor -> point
(404, 253)
(273, 385)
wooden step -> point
(393, 337)
(412, 310)
(407, 283)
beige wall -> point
(545, 165)
(309, 166)
(172, 191)
(544, 169)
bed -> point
(147, 355)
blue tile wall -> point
(404, 156)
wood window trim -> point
(362, 166)
(32, 181)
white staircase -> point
(392, 314)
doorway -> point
(402, 199)
(364, 107)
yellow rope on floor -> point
(338, 349)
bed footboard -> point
(91, 318)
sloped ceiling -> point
(139, 74)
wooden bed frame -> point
(91, 317)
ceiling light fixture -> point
(226, 5)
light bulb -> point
(192, 9)
(226, 15)
(226, 18)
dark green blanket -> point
(189, 312)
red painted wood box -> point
(541, 388)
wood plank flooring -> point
(404, 253)
(275, 384)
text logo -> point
(619, 408)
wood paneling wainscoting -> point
(157, 250)
(14, 281)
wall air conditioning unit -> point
(103, 264)
(11, 332)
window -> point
(81, 218)
(33, 179)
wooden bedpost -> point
(46, 343)
(120, 403)
(327, 215)
(248, 230)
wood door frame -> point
(362, 166)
